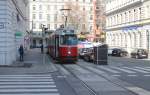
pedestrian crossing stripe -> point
(108, 69)
(26, 80)
(27, 75)
(27, 90)
(124, 70)
(132, 75)
(27, 85)
(138, 70)
(146, 69)
(118, 70)
(32, 94)
(19, 77)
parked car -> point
(119, 52)
(82, 51)
(83, 47)
(89, 55)
(139, 53)
(110, 51)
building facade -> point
(48, 13)
(12, 29)
(128, 24)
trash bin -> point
(100, 54)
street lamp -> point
(65, 14)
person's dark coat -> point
(21, 51)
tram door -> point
(57, 46)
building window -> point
(34, 26)
(34, 16)
(83, 8)
(135, 15)
(34, 7)
(125, 17)
(55, 18)
(48, 26)
(48, 16)
(148, 11)
(40, 7)
(40, 16)
(140, 14)
(91, 17)
(121, 19)
(55, 26)
(40, 26)
(91, 1)
(91, 9)
(90, 28)
(48, 7)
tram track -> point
(91, 91)
(105, 77)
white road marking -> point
(25, 83)
(25, 80)
(95, 70)
(138, 70)
(27, 90)
(25, 75)
(124, 70)
(147, 75)
(139, 91)
(116, 75)
(146, 69)
(108, 69)
(132, 75)
(33, 94)
(27, 86)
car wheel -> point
(86, 58)
(121, 55)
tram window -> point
(69, 40)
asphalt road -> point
(132, 71)
(140, 71)
(132, 74)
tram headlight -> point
(69, 52)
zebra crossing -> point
(118, 71)
(27, 85)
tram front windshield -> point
(69, 40)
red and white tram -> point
(63, 45)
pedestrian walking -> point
(42, 48)
(21, 52)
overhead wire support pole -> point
(65, 15)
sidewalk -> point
(34, 63)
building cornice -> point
(120, 8)
(136, 23)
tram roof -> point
(64, 31)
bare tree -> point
(77, 16)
